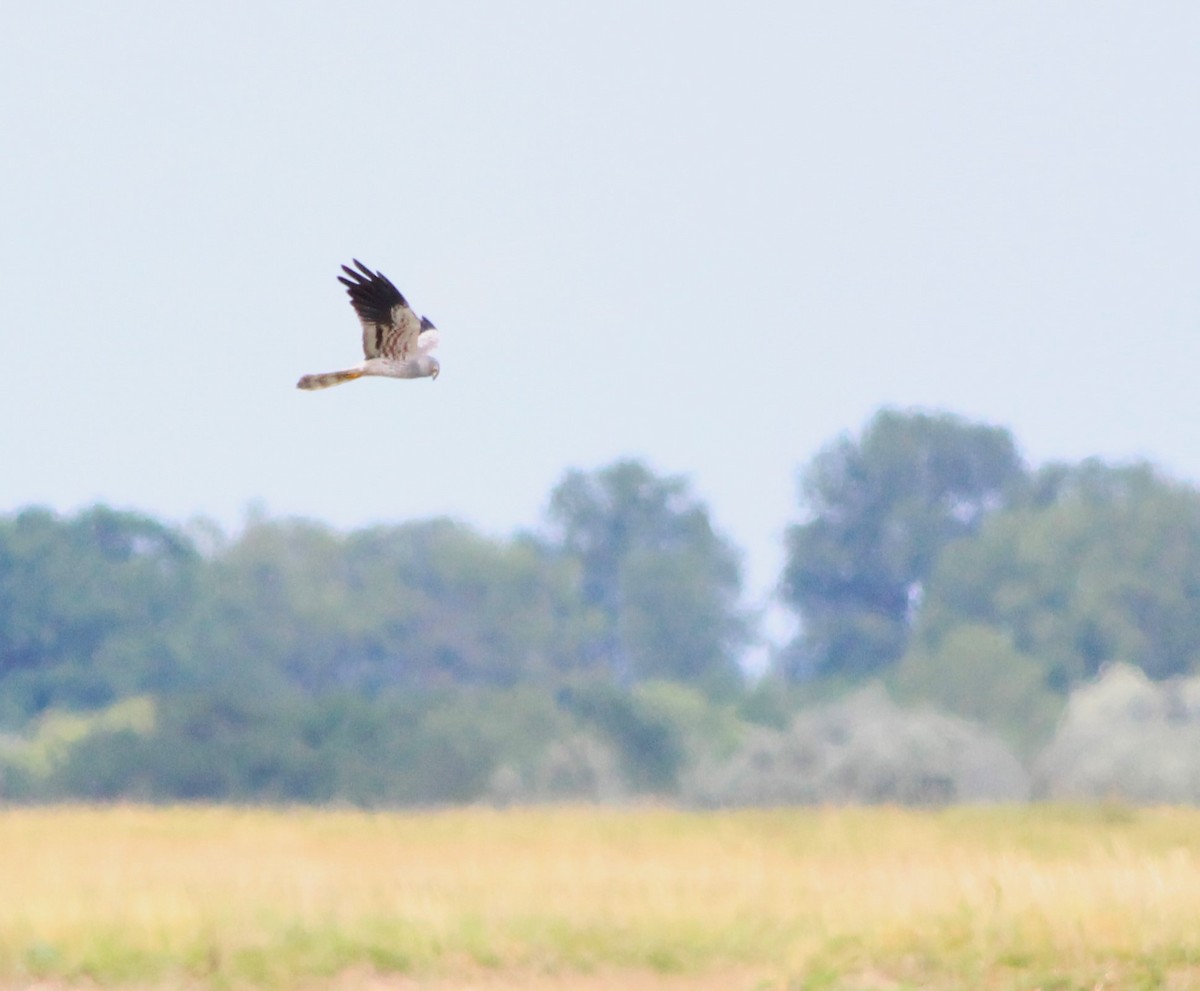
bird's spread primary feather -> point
(396, 342)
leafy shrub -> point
(864, 749)
(578, 767)
(1126, 737)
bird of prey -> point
(396, 342)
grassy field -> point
(591, 899)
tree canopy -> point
(1101, 564)
(663, 584)
(598, 655)
(88, 606)
(878, 510)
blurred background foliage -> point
(969, 628)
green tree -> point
(647, 736)
(420, 604)
(273, 610)
(1099, 564)
(465, 608)
(88, 607)
(662, 585)
(878, 510)
(975, 672)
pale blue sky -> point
(712, 235)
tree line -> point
(595, 655)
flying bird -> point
(396, 342)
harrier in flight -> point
(396, 342)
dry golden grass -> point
(591, 899)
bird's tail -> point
(326, 379)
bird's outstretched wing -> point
(390, 328)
